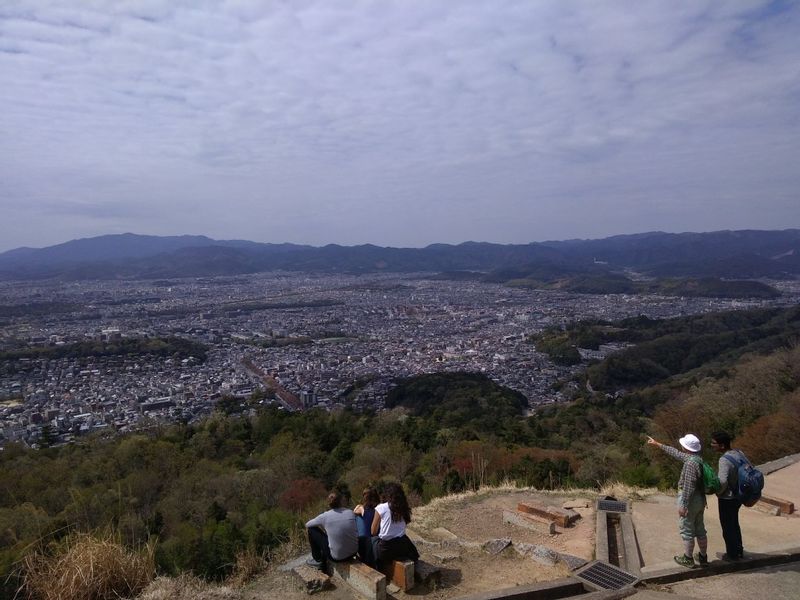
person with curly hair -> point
(389, 524)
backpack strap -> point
(738, 459)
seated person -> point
(389, 524)
(365, 513)
(333, 535)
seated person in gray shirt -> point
(333, 535)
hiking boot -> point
(702, 559)
(684, 561)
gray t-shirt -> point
(340, 525)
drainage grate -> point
(603, 576)
(612, 506)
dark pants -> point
(320, 550)
(400, 548)
(729, 520)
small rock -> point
(445, 556)
(495, 547)
(545, 555)
(579, 503)
(300, 560)
(392, 588)
(444, 534)
(312, 579)
(523, 548)
(573, 562)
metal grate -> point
(612, 506)
(603, 576)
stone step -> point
(365, 580)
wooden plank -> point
(529, 521)
(562, 517)
(401, 573)
(786, 506)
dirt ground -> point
(479, 517)
(474, 519)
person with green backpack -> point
(691, 499)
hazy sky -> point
(396, 122)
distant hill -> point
(722, 254)
(458, 400)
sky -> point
(396, 122)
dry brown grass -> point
(249, 565)
(187, 587)
(622, 490)
(87, 567)
(296, 543)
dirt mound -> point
(452, 533)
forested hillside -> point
(205, 491)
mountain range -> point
(726, 254)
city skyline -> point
(396, 123)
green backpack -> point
(711, 483)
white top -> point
(389, 529)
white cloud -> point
(389, 118)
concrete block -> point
(773, 511)
(601, 536)
(313, 580)
(633, 562)
(364, 580)
(529, 522)
(546, 590)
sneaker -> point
(702, 559)
(311, 562)
(684, 561)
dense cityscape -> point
(295, 340)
